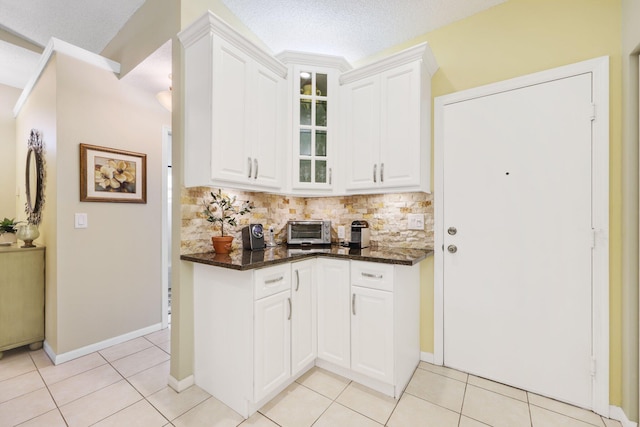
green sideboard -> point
(21, 297)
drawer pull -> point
(373, 276)
(272, 281)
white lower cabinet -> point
(303, 315)
(333, 312)
(256, 331)
(272, 343)
(369, 322)
(372, 333)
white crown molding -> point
(421, 52)
(209, 24)
(59, 46)
(314, 59)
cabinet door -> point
(303, 317)
(333, 311)
(372, 333)
(362, 133)
(230, 150)
(266, 127)
(315, 103)
(400, 145)
(272, 343)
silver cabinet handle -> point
(249, 162)
(381, 172)
(353, 304)
(255, 173)
(290, 309)
(297, 280)
(375, 171)
(373, 276)
(330, 170)
(272, 281)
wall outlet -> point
(415, 222)
(341, 232)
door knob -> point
(452, 249)
(452, 231)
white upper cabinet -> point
(387, 116)
(234, 109)
(312, 127)
(314, 112)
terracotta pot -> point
(222, 244)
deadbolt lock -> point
(452, 231)
(452, 249)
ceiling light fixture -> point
(164, 97)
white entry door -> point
(517, 237)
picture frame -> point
(112, 175)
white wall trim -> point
(181, 385)
(421, 52)
(616, 413)
(56, 45)
(166, 229)
(427, 357)
(92, 348)
(210, 23)
(599, 67)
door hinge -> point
(593, 112)
(593, 366)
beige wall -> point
(629, 331)
(103, 281)
(39, 112)
(149, 28)
(8, 97)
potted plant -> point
(224, 210)
(8, 231)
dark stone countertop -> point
(247, 260)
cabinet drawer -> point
(271, 280)
(372, 275)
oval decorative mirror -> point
(34, 178)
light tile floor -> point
(125, 385)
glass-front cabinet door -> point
(314, 132)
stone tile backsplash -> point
(386, 214)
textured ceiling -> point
(353, 29)
(89, 24)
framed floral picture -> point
(111, 175)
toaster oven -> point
(310, 232)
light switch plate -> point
(341, 234)
(415, 222)
(81, 220)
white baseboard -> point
(182, 384)
(616, 413)
(427, 357)
(92, 348)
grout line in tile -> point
(566, 415)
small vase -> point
(222, 244)
(28, 233)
